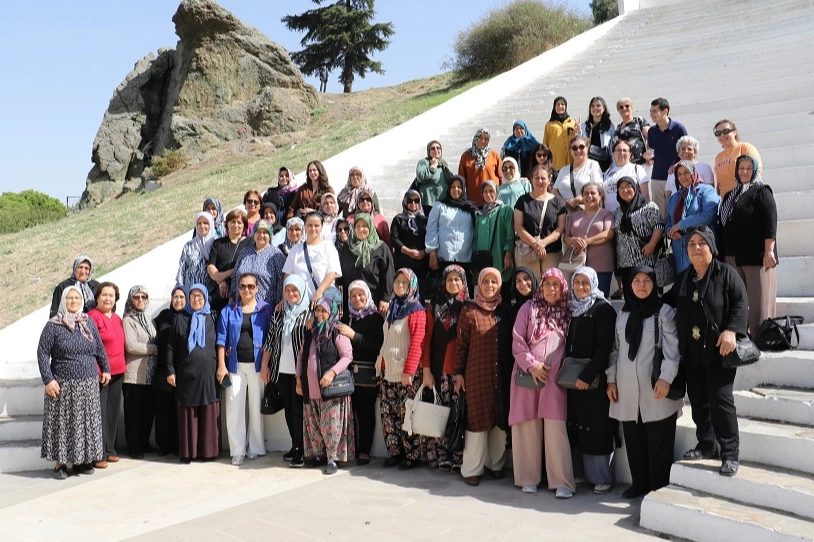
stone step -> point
(757, 485)
(21, 397)
(806, 336)
(793, 277)
(695, 515)
(21, 456)
(799, 306)
(792, 368)
(796, 235)
(794, 205)
(784, 405)
(20, 428)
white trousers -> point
(247, 388)
(483, 449)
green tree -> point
(340, 35)
(604, 10)
(20, 210)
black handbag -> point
(524, 379)
(774, 334)
(364, 374)
(600, 154)
(571, 370)
(456, 424)
(678, 388)
(665, 266)
(341, 386)
(745, 352)
(272, 400)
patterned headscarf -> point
(363, 249)
(447, 306)
(488, 303)
(293, 311)
(369, 308)
(84, 287)
(72, 319)
(732, 197)
(197, 321)
(218, 219)
(204, 243)
(489, 208)
(140, 316)
(685, 194)
(548, 317)
(350, 194)
(288, 243)
(404, 306)
(580, 306)
(323, 331)
(520, 144)
(479, 154)
(292, 183)
(407, 214)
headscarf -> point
(218, 219)
(732, 197)
(263, 224)
(639, 309)
(708, 235)
(350, 194)
(204, 243)
(580, 306)
(72, 319)
(339, 244)
(404, 306)
(323, 331)
(685, 195)
(556, 117)
(488, 303)
(629, 208)
(294, 221)
(369, 192)
(448, 306)
(84, 287)
(326, 218)
(463, 203)
(292, 183)
(139, 316)
(548, 317)
(291, 312)
(515, 178)
(363, 249)
(409, 216)
(479, 154)
(369, 308)
(520, 144)
(519, 298)
(197, 320)
(441, 161)
(489, 208)
(172, 312)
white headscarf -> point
(579, 306)
(204, 244)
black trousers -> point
(166, 422)
(110, 398)
(139, 411)
(709, 388)
(364, 412)
(650, 451)
(293, 408)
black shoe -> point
(318, 461)
(289, 455)
(729, 467)
(618, 294)
(164, 453)
(137, 455)
(393, 461)
(86, 468)
(409, 465)
(297, 461)
(696, 454)
(362, 461)
(61, 472)
(633, 492)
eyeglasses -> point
(435, 148)
(355, 174)
(725, 131)
(405, 283)
(622, 151)
(623, 106)
(179, 298)
(252, 202)
(139, 297)
(577, 147)
(344, 229)
(250, 287)
(413, 200)
(196, 296)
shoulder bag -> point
(272, 402)
(424, 418)
(775, 334)
(665, 266)
(524, 379)
(523, 252)
(745, 353)
(572, 367)
(678, 388)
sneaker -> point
(445, 466)
(330, 468)
(289, 455)
(317, 461)
(456, 468)
(237, 460)
(530, 489)
(564, 493)
(61, 472)
(579, 480)
(297, 461)
(252, 455)
(729, 467)
(599, 489)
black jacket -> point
(402, 236)
(367, 343)
(378, 275)
(753, 220)
(70, 281)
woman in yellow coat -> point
(558, 132)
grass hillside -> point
(119, 231)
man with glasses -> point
(662, 142)
(633, 130)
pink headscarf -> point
(548, 317)
(488, 303)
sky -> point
(61, 61)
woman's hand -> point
(104, 379)
(433, 261)
(648, 249)
(223, 288)
(221, 373)
(572, 204)
(428, 381)
(727, 341)
(508, 261)
(613, 393)
(298, 386)
(581, 385)
(346, 331)
(265, 374)
(318, 293)
(309, 324)
(539, 248)
(661, 388)
(460, 385)
(579, 243)
(674, 233)
(52, 389)
(171, 380)
(769, 260)
(279, 306)
(407, 380)
(327, 378)
(383, 306)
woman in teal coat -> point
(494, 233)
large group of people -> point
(490, 284)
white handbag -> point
(422, 418)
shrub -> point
(513, 34)
(22, 210)
(604, 10)
(168, 162)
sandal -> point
(696, 454)
(729, 468)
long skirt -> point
(72, 423)
(329, 429)
(437, 452)
(396, 440)
(199, 431)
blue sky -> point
(61, 61)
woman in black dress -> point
(407, 233)
(166, 417)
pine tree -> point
(340, 35)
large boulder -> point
(224, 80)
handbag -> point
(272, 402)
(571, 370)
(523, 252)
(774, 334)
(600, 154)
(456, 424)
(424, 418)
(678, 388)
(524, 379)
(665, 267)
(745, 352)
(481, 259)
(341, 386)
(364, 374)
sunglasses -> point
(624, 106)
(252, 202)
(140, 297)
(249, 287)
(413, 200)
(435, 148)
(366, 199)
(541, 155)
(343, 229)
(577, 147)
(725, 131)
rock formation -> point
(223, 81)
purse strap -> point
(542, 217)
(708, 314)
(308, 265)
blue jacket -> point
(229, 324)
(701, 209)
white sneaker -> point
(530, 489)
(564, 493)
(252, 455)
(237, 460)
(602, 488)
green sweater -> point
(496, 239)
(431, 181)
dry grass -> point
(119, 231)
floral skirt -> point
(72, 423)
(329, 428)
(437, 452)
(396, 440)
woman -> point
(511, 185)
(480, 370)
(367, 258)
(590, 230)
(400, 356)
(688, 148)
(622, 167)
(438, 355)
(408, 231)
(252, 202)
(727, 134)
(520, 146)
(632, 130)
(695, 204)
(749, 235)
(81, 277)
(280, 354)
(293, 234)
(648, 417)
(141, 358)
(365, 330)
(328, 422)
(213, 207)
(166, 417)
(599, 130)
(192, 363)
(714, 288)
(539, 220)
(342, 234)
(572, 178)
(479, 163)
(365, 204)
(71, 358)
(639, 226)
(192, 266)
(537, 416)
(558, 133)
(264, 261)
(315, 260)
(111, 331)
(541, 156)
(450, 228)
(349, 196)
(329, 212)
(432, 175)
(590, 336)
(307, 196)
(223, 257)
(494, 232)
(282, 194)
(269, 214)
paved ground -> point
(158, 500)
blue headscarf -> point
(293, 311)
(579, 306)
(520, 144)
(197, 321)
(404, 306)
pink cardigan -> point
(345, 351)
